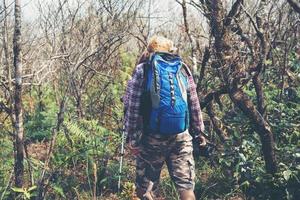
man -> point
(158, 132)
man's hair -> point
(157, 44)
(161, 44)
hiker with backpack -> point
(162, 116)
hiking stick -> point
(121, 158)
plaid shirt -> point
(132, 98)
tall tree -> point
(18, 125)
(230, 67)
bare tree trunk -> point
(79, 108)
(205, 59)
(238, 97)
(259, 95)
(262, 57)
(5, 46)
(18, 126)
(260, 125)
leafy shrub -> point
(40, 116)
(6, 164)
(84, 154)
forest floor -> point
(38, 151)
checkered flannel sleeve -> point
(197, 125)
(132, 102)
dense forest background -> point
(63, 71)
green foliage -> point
(25, 193)
(118, 89)
(128, 191)
(241, 169)
(6, 163)
(84, 154)
(40, 117)
(86, 150)
(168, 189)
(214, 182)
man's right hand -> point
(202, 141)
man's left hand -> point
(202, 141)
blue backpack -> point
(164, 104)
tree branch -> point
(233, 12)
(205, 59)
(294, 5)
(213, 95)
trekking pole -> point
(121, 158)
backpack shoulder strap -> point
(186, 70)
(187, 73)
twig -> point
(8, 184)
(251, 19)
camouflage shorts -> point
(176, 151)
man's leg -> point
(187, 195)
(149, 164)
(143, 178)
(140, 192)
(181, 166)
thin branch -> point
(294, 5)
(251, 19)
